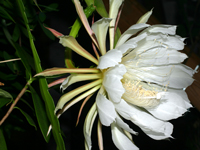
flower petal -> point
(69, 41)
(154, 57)
(145, 17)
(100, 29)
(175, 76)
(110, 59)
(129, 32)
(106, 110)
(81, 14)
(123, 125)
(171, 106)
(112, 82)
(120, 140)
(132, 43)
(114, 7)
(88, 124)
(165, 29)
(153, 127)
(73, 78)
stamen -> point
(136, 94)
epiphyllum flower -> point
(141, 79)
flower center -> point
(137, 94)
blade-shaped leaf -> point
(41, 115)
(2, 141)
(4, 13)
(100, 8)
(28, 117)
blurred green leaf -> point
(24, 31)
(9, 64)
(28, 118)
(37, 5)
(24, 101)
(100, 8)
(5, 94)
(17, 85)
(5, 97)
(7, 77)
(41, 115)
(5, 14)
(42, 16)
(51, 7)
(2, 141)
(4, 41)
(4, 101)
(16, 33)
(25, 58)
(89, 2)
(47, 32)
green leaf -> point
(89, 2)
(9, 64)
(5, 94)
(5, 97)
(100, 8)
(4, 13)
(43, 86)
(7, 77)
(16, 33)
(2, 141)
(24, 101)
(28, 118)
(41, 115)
(19, 49)
(4, 101)
(42, 16)
(47, 32)
(25, 58)
(51, 7)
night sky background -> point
(186, 129)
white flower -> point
(144, 81)
(141, 79)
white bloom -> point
(141, 79)
(145, 85)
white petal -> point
(171, 106)
(130, 31)
(153, 127)
(170, 41)
(106, 110)
(183, 95)
(121, 141)
(156, 57)
(113, 12)
(112, 82)
(88, 124)
(100, 29)
(124, 126)
(176, 76)
(166, 29)
(110, 59)
(132, 43)
(145, 17)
